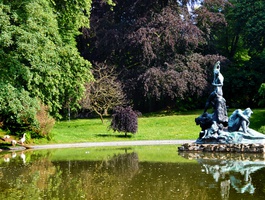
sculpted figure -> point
(218, 79)
(216, 97)
(239, 119)
(216, 128)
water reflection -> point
(152, 172)
(230, 169)
(7, 157)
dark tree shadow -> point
(115, 136)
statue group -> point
(217, 127)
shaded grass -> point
(257, 119)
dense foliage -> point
(38, 55)
(17, 108)
(164, 50)
(157, 53)
(159, 48)
(242, 42)
(124, 119)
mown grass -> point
(155, 126)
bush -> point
(262, 129)
(45, 122)
(124, 120)
(17, 109)
(21, 113)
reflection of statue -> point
(236, 172)
(242, 186)
(225, 189)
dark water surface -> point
(139, 172)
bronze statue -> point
(216, 127)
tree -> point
(252, 21)
(262, 94)
(243, 36)
(151, 43)
(39, 61)
(17, 109)
(35, 57)
(124, 119)
(242, 42)
(105, 92)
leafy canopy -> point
(160, 48)
(38, 52)
(39, 58)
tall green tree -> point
(38, 51)
(39, 58)
(242, 41)
(243, 37)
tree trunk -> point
(100, 115)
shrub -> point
(17, 109)
(124, 120)
(262, 129)
(19, 112)
(45, 122)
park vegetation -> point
(124, 120)
(61, 59)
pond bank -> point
(116, 143)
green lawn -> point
(155, 126)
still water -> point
(139, 172)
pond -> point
(138, 172)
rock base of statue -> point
(235, 137)
(223, 148)
(235, 131)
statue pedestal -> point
(223, 148)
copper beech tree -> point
(161, 49)
(124, 119)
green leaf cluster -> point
(17, 108)
(262, 94)
(38, 54)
